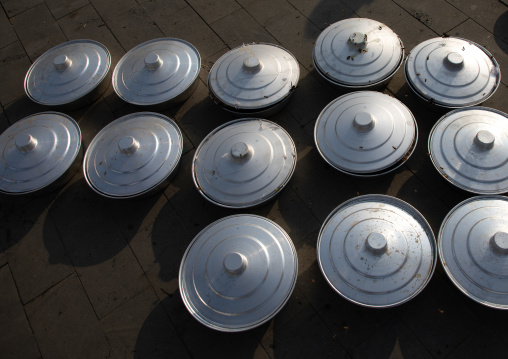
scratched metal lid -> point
(358, 53)
(451, 72)
(473, 246)
(244, 162)
(67, 72)
(238, 273)
(376, 251)
(365, 133)
(133, 155)
(36, 151)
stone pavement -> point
(86, 277)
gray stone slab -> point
(212, 11)
(61, 8)
(22, 107)
(14, 64)
(111, 8)
(93, 120)
(482, 343)
(16, 7)
(8, 34)
(385, 11)
(498, 99)
(323, 13)
(411, 32)
(267, 11)
(207, 64)
(4, 123)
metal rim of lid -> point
(31, 143)
(226, 177)
(57, 69)
(163, 61)
(482, 250)
(380, 246)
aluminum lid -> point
(244, 162)
(358, 52)
(36, 151)
(452, 72)
(238, 273)
(473, 246)
(67, 72)
(376, 251)
(365, 133)
(133, 155)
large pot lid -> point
(156, 71)
(133, 155)
(469, 147)
(67, 72)
(252, 77)
(376, 251)
(358, 52)
(452, 72)
(244, 163)
(36, 151)
(238, 273)
(473, 246)
(365, 133)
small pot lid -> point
(156, 71)
(469, 148)
(376, 251)
(473, 246)
(253, 77)
(67, 72)
(133, 155)
(244, 162)
(358, 52)
(238, 273)
(365, 133)
(36, 151)
(452, 72)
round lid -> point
(238, 273)
(365, 133)
(376, 251)
(67, 72)
(36, 151)
(473, 246)
(133, 155)
(358, 52)
(253, 76)
(452, 72)
(156, 71)
(244, 162)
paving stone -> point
(14, 64)
(491, 323)
(411, 32)
(212, 11)
(61, 8)
(3, 259)
(16, 7)
(498, 99)
(96, 117)
(323, 13)
(4, 123)
(111, 8)
(21, 108)
(267, 11)
(207, 64)
(482, 343)
(385, 11)
(8, 34)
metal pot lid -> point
(133, 155)
(452, 72)
(238, 273)
(376, 251)
(67, 72)
(156, 71)
(365, 133)
(358, 52)
(244, 162)
(473, 246)
(253, 76)
(36, 151)
(469, 148)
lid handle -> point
(251, 64)
(484, 140)
(364, 122)
(376, 243)
(25, 142)
(62, 62)
(235, 263)
(455, 60)
(240, 150)
(358, 38)
(499, 242)
(128, 145)
(153, 61)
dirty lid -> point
(133, 155)
(376, 251)
(244, 162)
(67, 72)
(156, 71)
(365, 133)
(452, 72)
(238, 273)
(36, 151)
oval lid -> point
(452, 72)
(469, 148)
(253, 76)
(156, 71)
(244, 162)
(133, 154)
(238, 273)
(67, 72)
(365, 133)
(358, 52)
(376, 251)
(36, 151)
(473, 246)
